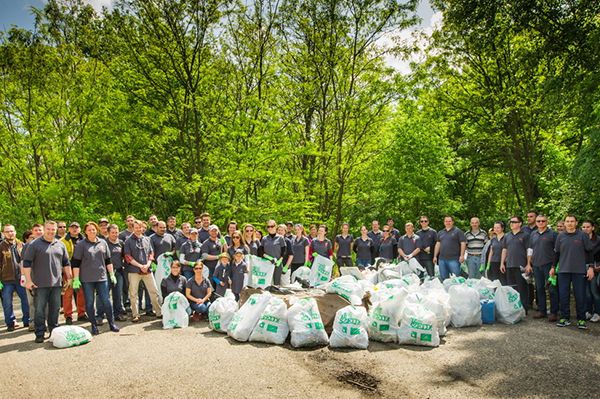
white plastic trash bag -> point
(69, 336)
(466, 307)
(306, 325)
(418, 326)
(245, 319)
(261, 272)
(509, 309)
(163, 269)
(272, 326)
(175, 311)
(221, 312)
(411, 266)
(350, 328)
(449, 282)
(388, 273)
(320, 272)
(484, 286)
(348, 288)
(302, 273)
(384, 318)
(439, 303)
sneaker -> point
(120, 318)
(563, 323)
(150, 313)
(82, 317)
(595, 318)
(69, 321)
(582, 325)
(136, 319)
(588, 315)
(552, 318)
(39, 340)
(10, 327)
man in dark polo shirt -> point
(540, 259)
(172, 227)
(409, 245)
(428, 238)
(211, 249)
(203, 227)
(376, 236)
(514, 258)
(44, 262)
(449, 249)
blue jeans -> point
(564, 292)
(117, 297)
(447, 267)
(593, 295)
(7, 303)
(363, 262)
(101, 289)
(541, 274)
(46, 299)
(200, 308)
(473, 263)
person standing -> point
(103, 225)
(10, 276)
(172, 227)
(388, 246)
(45, 263)
(231, 228)
(409, 245)
(152, 223)
(238, 270)
(202, 224)
(364, 248)
(375, 235)
(115, 245)
(70, 241)
(237, 243)
(476, 240)
(222, 275)
(62, 229)
(189, 253)
(428, 238)
(321, 245)
(124, 235)
(90, 263)
(300, 249)
(449, 249)
(343, 246)
(273, 248)
(37, 230)
(514, 259)
(495, 254)
(211, 249)
(593, 261)
(531, 222)
(139, 257)
(288, 255)
(162, 242)
(250, 240)
(182, 237)
(393, 231)
(571, 248)
(540, 259)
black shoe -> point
(69, 321)
(39, 340)
(99, 321)
(114, 328)
(83, 318)
(128, 309)
(150, 313)
(10, 327)
(121, 318)
(95, 330)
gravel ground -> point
(531, 359)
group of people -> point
(108, 272)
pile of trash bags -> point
(402, 309)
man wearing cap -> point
(69, 241)
(45, 262)
(211, 249)
(103, 225)
(222, 275)
(189, 253)
(289, 230)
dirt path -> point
(532, 359)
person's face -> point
(531, 218)
(321, 232)
(74, 231)
(238, 257)
(313, 231)
(198, 270)
(206, 221)
(448, 223)
(198, 223)
(153, 220)
(49, 231)
(345, 229)
(386, 232)
(103, 227)
(129, 222)
(193, 236)
(570, 224)
(175, 269)
(171, 223)
(37, 232)
(271, 227)
(113, 234)
(390, 223)
(161, 228)
(541, 222)
(424, 223)
(185, 228)
(224, 261)
(236, 239)
(363, 230)
(289, 228)
(91, 232)
(298, 230)
(515, 224)
(587, 228)
(213, 233)
(375, 225)
(409, 229)
(138, 229)
(474, 224)
(249, 230)
(62, 229)
(231, 228)
(560, 226)
(281, 231)
(9, 233)
(497, 228)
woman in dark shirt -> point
(250, 239)
(363, 246)
(198, 291)
(237, 243)
(388, 247)
(495, 253)
(174, 282)
(300, 249)
(343, 246)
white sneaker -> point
(595, 318)
(588, 315)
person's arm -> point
(306, 255)
(354, 247)
(394, 246)
(336, 245)
(436, 252)
(401, 253)
(463, 247)
(502, 259)
(163, 288)
(208, 294)
(188, 295)
(417, 249)
(489, 259)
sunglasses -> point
(271, 227)
(515, 221)
(541, 221)
(197, 222)
(386, 231)
(423, 221)
(234, 237)
(62, 227)
(197, 268)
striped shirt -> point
(475, 242)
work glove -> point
(278, 263)
(168, 254)
(113, 278)
(76, 283)
(153, 267)
(1, 285)
(222, 241)
(285, 269)
(307, 263)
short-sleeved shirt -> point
(253, 246)
(475, 242)
(323, 248)
(237, 276)
(173, 284)
(211, 247)
(409, 244)
(179, 241)
(191, 251)
(388, 249)
(92, 257)
(428, 238)
(496, 248)
(116, 253)
(572, 249)
(344, 244)
(203, 235)
(231, 250)
(274, 246)
(376, 239)
(162, 244)
(140, 249)
(124, 235)
(516, 249)
(175, 233)
(198, 290)
(46, 260)
(542, 245)
(363, 248)
(298, 249)
(450, 241)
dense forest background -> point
(287, 109)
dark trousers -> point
(117, 297)
(7, 303)
(429, 266)
(143, 291)
(100, 288)
(593, 295)
(515, 280)
(344, 261)
(495, 274)
(46, 299)
(578, 280)
(541, 274)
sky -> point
(18, 12)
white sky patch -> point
(415, 38)
(98, 4)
